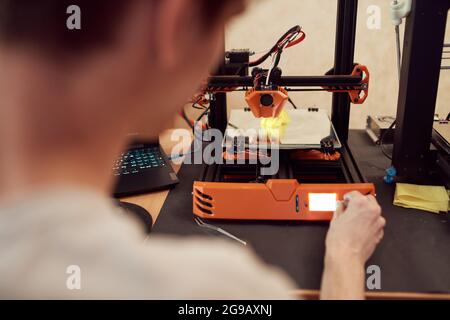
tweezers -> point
(205, 225)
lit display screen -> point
(322, 202)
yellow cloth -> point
(275, 127)
(427, 198)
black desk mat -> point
(414, 255)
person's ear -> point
(168, 21)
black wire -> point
(195, 106)
(383, 138)
(292, 103)
(188, 121)
(204, 113)
(385, 134)
(198, 106)
(278, 58)
(275, 47)
(275, 65)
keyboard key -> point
(135, 161)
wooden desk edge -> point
(315, 294)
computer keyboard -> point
(138, 160)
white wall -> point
(266, 20)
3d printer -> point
(316, 166)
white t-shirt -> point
(55, 241)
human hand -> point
(356, 229)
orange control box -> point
(275, 200)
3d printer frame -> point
(421, 66)
(222, 194)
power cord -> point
(293, 104)
(383, 138)
(402, 8)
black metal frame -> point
(347, 14)
(443, 158)
(343, 62)
(422, 56)
(343, 65)
(293, 81)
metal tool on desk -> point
(204, 225)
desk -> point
(414, 256)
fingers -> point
(379, 229)
(379, 236)
(356, 201)
(381, 222)
(372, 199)
(359, 197)
(352, 196)
(339, 210)
(369, 203)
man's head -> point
(132, 63)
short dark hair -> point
(42, 23)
